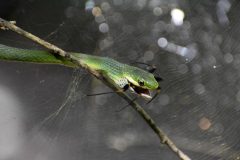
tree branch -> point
(161, 135)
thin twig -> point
(162, 136)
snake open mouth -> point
(141, 91)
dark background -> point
(199, 60)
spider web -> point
(198, 60)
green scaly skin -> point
(120, 73)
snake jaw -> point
(147, 96)
(140, 91)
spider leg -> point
(103, 93)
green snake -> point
(124, 76)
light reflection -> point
(141, 3)
(89, 5)
(123, 141)
(223, 7)
(148, 56)
(105, 6)
(199, 89)
(177, 16)
(105, 43)
(100, 19)
(157, 11)
(104, 28)
(196, 69)
(211, 60)
(162, 42)
(228, 58)
(96, 11)
(182, 68)
(69, 12)
(189, 52)
(204, 123)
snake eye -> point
(141, 82)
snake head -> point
(141, 81)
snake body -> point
(120, 73)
